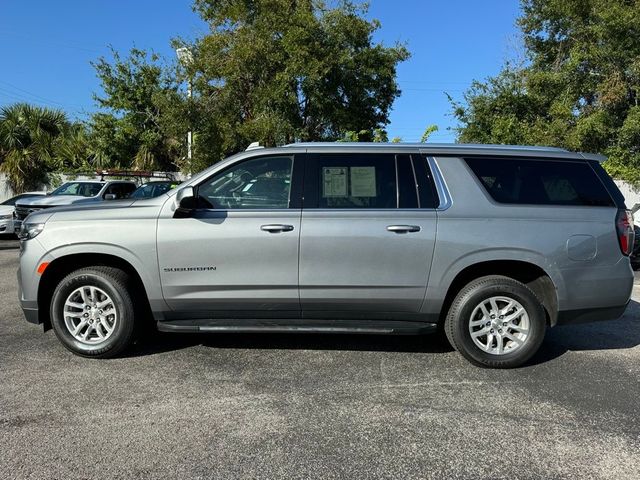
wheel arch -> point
(61, 266)
(532, 275)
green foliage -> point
(136, 126)
(378, 135)
(35, 141)
(579, 88)
(279, 71)
(430, 130)
(274, 71)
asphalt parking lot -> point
(295, 406)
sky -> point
(46, 48)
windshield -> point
(154, 189)
(81, 189)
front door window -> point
(261, 183)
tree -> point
(30, 140)
(380, 136)
(140, 113)
(578, 89)
(430, 130)
(278, 71)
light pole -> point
(185, 57)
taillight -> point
(626, 234)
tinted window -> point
(407, 188)
(426, 188)
(153, 189)
(540, 182)
(255, 184)
(359, 180)
(120, 190)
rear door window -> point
(120, 190)
(360, 181)
(540, 182)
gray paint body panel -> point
(349, 261)
(339, 263)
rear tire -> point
(496, 322)
(92, 312)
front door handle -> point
(403, 228)
(276, 228)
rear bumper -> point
(586, 315)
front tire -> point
(496, 322)
(92, 312)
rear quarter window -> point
(540, 182)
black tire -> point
(118, 286)
(457, 322)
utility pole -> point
(185, 57)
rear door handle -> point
(276, 228)
(403, 228)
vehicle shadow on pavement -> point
(158, 342)
(623, 333)
(620, 334)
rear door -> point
(367, 236)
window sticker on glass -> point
(363, 181)
(334, 182)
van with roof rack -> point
(491, 244)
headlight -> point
(6, 217)
(30, 230)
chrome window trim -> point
(441, 185)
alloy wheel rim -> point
(90, 315)
(499, 325)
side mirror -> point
(185, 202)
(110, 196)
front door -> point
(366, 240)
(236, 256)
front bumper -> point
(32, 253)
(32, 315)
(6, 226)
(29, 307)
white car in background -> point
(75, 192)
(7, 210)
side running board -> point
(383, 327)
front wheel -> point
(496, 322)
(92, 312)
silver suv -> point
(491, 244)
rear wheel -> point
(92, 312)
(496, 322)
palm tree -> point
(74, 148)
(28, 136)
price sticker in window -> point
(334, 182)
(363, 181)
